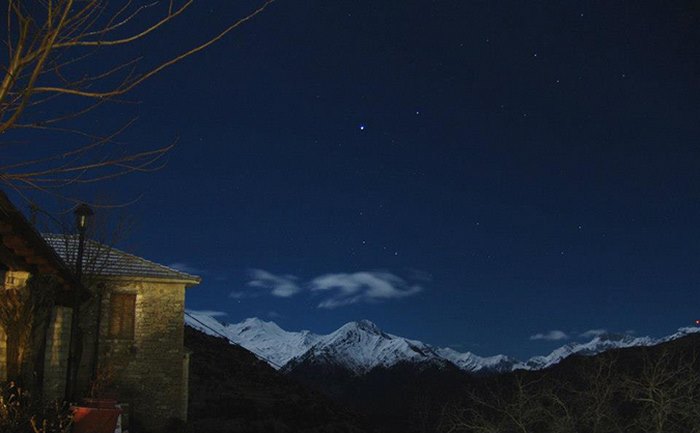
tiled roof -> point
(103, 260)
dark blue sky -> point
(469, 173)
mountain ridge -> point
(361, 346)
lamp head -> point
(82, 213)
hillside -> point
(443, 398)
(232, 391)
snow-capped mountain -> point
(361, 346)
(474, 363)
(265, 339)
(599, 344)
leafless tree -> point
(51, 47)
(658, 393)
(667, 392)
(598, 395)
(517, 410)
(24, 312)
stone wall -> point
(9, 281)
(57, 341)
(148, 371)
(3, 355)
(56, 355)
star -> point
(362, 127)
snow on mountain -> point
(265, 339)
(599, 344)
(682, 332)
(474, 363)
(361, 346)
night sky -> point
(466, 173)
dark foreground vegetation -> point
(635, 390)
(632, 390)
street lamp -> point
(82, 214)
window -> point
(122, 314)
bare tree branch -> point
(47, 74)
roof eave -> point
(23, 240)
(187, 282)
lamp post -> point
(82, 214)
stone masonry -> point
(148, 371)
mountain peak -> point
(367, 325)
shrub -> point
(19, 413)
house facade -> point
(130, 335)
(132, 331)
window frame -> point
(124, 305)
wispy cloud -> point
(554, 335)
(352, 288)
(282, 286)
(592, 333)
(334, 289)
(211, 313)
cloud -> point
(283, 286)
(211, 313)
(274, 314)
(352, 288)
(554, 335)
(592, 333)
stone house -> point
(23, 347)
(132, 331)
(131, 325)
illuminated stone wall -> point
(3, 355)
(147, 372)
(56, 355)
